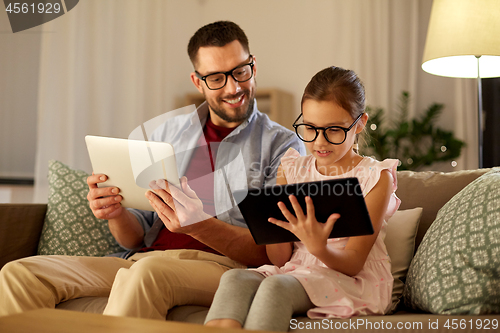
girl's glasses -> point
(336, 135)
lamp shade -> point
(459, 31)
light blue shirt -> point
(248, 157)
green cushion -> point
(70, 228)
(456, 269)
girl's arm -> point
(279, 254)
(314, 235)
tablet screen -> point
(131, 164)
(343, 196)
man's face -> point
(232, 104)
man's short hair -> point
(217, 34)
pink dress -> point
(337, 295)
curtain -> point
(107, 66)
(104, 70)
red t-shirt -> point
(201, 165)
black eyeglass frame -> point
(226, 74)
(324, 129)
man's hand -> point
(178, 209)
(104, 201)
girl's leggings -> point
(258, 302)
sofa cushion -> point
(456, 269)
(188, 313)
(431, 190)
(89, 304)
(400, 242)
(70, 228)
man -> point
(176, 255)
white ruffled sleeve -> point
(391, 165)
(371, 177)
(288, 165)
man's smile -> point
(235, 101)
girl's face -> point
(325, 114)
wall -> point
(291, 40)
(294, 39)
(19, 65)
(16, 193)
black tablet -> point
(343, 196)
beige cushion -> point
(89, 304)
(431, 190)
(400, 242)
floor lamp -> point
(463, 40)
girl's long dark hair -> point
(337, 85)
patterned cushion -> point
(70, 228)
(456, 269)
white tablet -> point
(131, 165)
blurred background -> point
(107, 66)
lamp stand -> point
(479, 116)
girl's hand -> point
(312, 233)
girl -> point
(327, 278)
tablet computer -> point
(131, 165)
(343, 196)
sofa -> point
(22, 227)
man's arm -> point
(127, 230)
(234, 242)
(184, 214)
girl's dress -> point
(337, 295)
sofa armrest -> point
(20, 229)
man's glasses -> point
(218, 80)
(334, 134)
